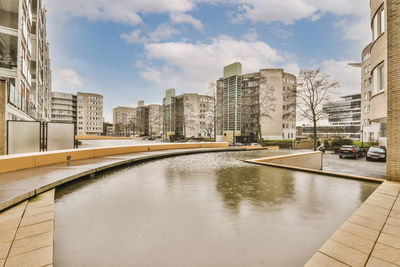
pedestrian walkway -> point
(370, 237)
(26, 232)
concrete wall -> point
(393, 130)
(31, 160)
(312, 160)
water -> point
(201, 210)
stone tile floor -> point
(26, 232)
(370, 237)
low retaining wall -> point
(312, 160)
(25, 161)
(96, 137)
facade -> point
(24, 60)
(108, 129)
(63, 107)
(89, 114)
(346, 112)
(124, 121)
(374, 77)
(149, 119)
(268, 97)
(188, 115)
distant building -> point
(90, 114)
(149, 119)
(187, 115)
(346, 112)
(124, 121)
(108, 129)
(63, 108)
(242, 98)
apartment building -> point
(244, 100)
(108, 129)
(124, 121)
(24, 60)
(188, 115)
(89, 114)
(374, 77)
(63, 107)
(149, 119)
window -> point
(378, 75)
(378, 24)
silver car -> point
(376, 153)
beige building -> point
(188, 115)
(149, 119)
(124, 121)
(374, 77)
(267, 95)
(90, 114)
(24, 60)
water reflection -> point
(201, 210)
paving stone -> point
(354, 241)
(367, 222)
(31, 243)
(369, 213)
(360, 230)
(35, 258)
(391, 229)
(13, 213)
(395, 214)
(382, 194)
(2, 262)
(38, 210)
(320, 259)
(7, 226)
(386, 253)
(38, 218)
(344, 253)
(390, 240)
(393, 221)
(380, 202)
(34, 229)
(4, 248)
(375, 209)
(374, 262)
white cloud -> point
(252, 35)
(66, 79)
(348, 77)
(118, 11)
(179, 18)
(193, 66)
(161, 33)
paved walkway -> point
(20, 185)
(370, 237)
(26, 232)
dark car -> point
(376, 153)
(350, 152)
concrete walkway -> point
(17, 186)
(26, 232)
(370, 237)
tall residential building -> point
(188, 115)
(149, 119)
(24, 60)
(108, 129)
(267, 96)
(63, 107)
(124, 121)
(90, 114)
(374, 77)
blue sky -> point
(131, 50)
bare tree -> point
(265, 104)
(211, 115)
(189, 117)
(312, 93)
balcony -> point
(379, 107)
(8, 51)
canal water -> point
(201, 210)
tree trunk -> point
(315, 134)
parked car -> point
(376, 153)
(350, 152)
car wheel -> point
(367, 159)
(340, 157)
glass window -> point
(382, 15)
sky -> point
(131, 50)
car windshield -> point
(347, 147)
(376, 149)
